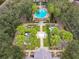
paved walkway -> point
(56, 58)
(33, 58)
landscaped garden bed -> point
(27, 39)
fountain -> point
(41, 13)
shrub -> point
(56, 30)
(55, 40)
(34, 7)
(20, 39)
(21, 29)
(68, 36)
(60, 35)
(52, 8)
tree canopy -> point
(1, 1)
(69, 15)
(9, 20)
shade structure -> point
(42, 53)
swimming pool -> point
(41, 13)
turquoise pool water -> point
(41, 13)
